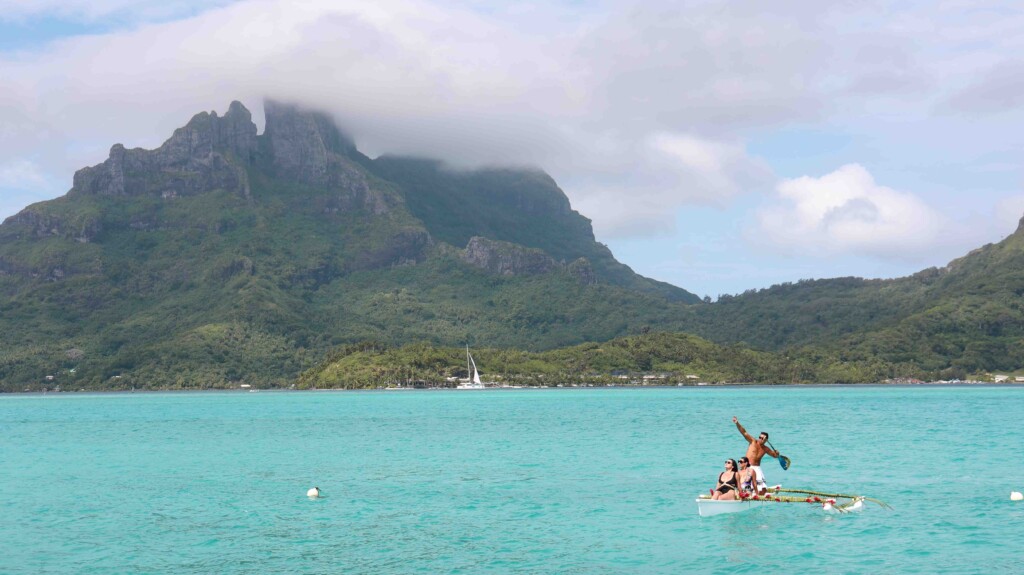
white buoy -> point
(313, 492)
(1016, 496)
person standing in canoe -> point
(755, 451)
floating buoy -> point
(313, 493)
(1016, 496)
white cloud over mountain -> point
(593, 94)
(638, 109)
(671, 171)
(846, 211)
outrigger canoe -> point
(828, 502)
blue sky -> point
(717, 145)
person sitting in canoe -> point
(747, 478)
(755, 451)
(728, 486)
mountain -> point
(228, 256)
(964, 318)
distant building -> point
(1000, 378)
(1019, 379)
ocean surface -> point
(519, 481)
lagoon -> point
(505, 481)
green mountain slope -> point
(671, 356)
(964, 318)
(523, 207)
(225, 256)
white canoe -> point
(709, 507)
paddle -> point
(783, 460)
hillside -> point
(227, 256)
(669, 357)
(964, 318)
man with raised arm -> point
(755, 451)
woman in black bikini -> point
(727, 482)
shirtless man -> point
(755, 451)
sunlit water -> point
(519, 481)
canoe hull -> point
(711, 507)
(708, 507)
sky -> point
(720, 146)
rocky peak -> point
(308, 147)
(304, 143)
(196, 158)
(206, 133)
(237, 132)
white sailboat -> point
(474, 376)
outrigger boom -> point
(830, 502)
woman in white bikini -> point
(747, 477)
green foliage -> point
(945, 323)
(668, 357)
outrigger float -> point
(829, 502)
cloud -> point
(846, 212)
(999, 89)
(21, 175)
(636, 108)
(707, 171)
(1009, 213)
(587, 92)
(669, 171)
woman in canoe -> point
(748, 479)
(728, 483)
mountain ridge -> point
(226, 255)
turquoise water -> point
(520, 481)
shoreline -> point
(515, 389)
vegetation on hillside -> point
(666, 358)
(524, 207)
(965, 318)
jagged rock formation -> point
(307, 147)
(503, 258)
(40, 224)
(583, 271)
(194, 160)
(508, 259)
